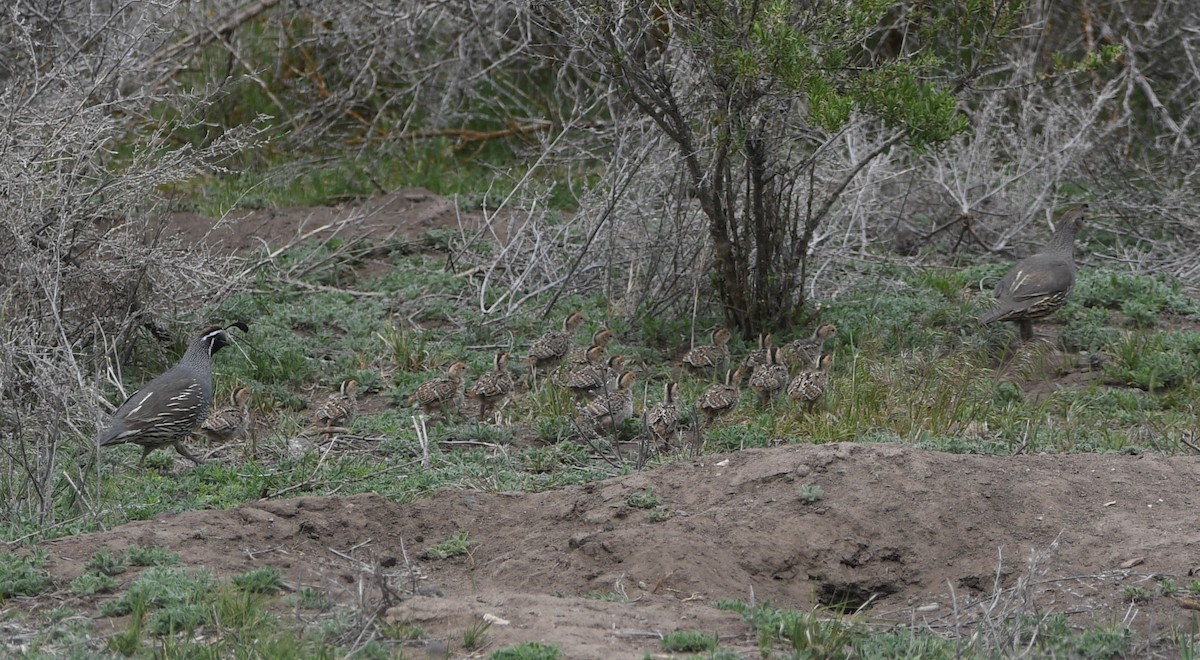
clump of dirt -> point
(905, 534)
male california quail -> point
(339, 408)
(770, 378)
(713, 357)
(721, 399)
(804, 353)
(172, 405)
(494, 385)
(231, 422)
(549, 349)
(444, 390)
(609, 411)
(1040, 283)
(663, 418)
(808, 386)
(758, 357)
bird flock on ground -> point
(175, 404)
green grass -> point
(687, 641)
(457, 545)
(528, 651)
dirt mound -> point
(914, 535)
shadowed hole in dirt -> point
(849, 597)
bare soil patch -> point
(925, 536)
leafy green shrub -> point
(107, 563)
(159, 587)
(179, 617)
(23, 575)
(139, 556)
(457, 544)
(528, 651)
(93, 583)
(259, 581)
(686, 641)
(643, 500)
(311, 599)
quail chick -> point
(758, 357)
(231, 422)
(602, 338)
(549, 349)
(720, 399)
(809, 386)
(586, 381)
(770, 378)
(804, 353)
(609, 411)
(172, 405)
(711, 358)
(339, 409)
(493, 386)
(663, 419)
(442, 391)
(1040, 283)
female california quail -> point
(609, 411)
(770, 378)
(549, 349)
(442, 391)
(494, 385)
(663, 418)
(804, 353)
(172, 405)
(714, 357)
(231, 422)
(1040, 283)
(720, 399)
(808, 386)
(339, 409)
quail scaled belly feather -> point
(172, 405)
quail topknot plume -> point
(172, 405)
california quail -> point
(494, 385)
(770, 378)
(231, 422)
(1040, 283)
(339, 408)
(804, 353)
(714, 357)
(609, 411)
(172, 405)
(808, 386)
(663, 418)
(549, 349)
(721, 399)
(758, 357)
(444, 390)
